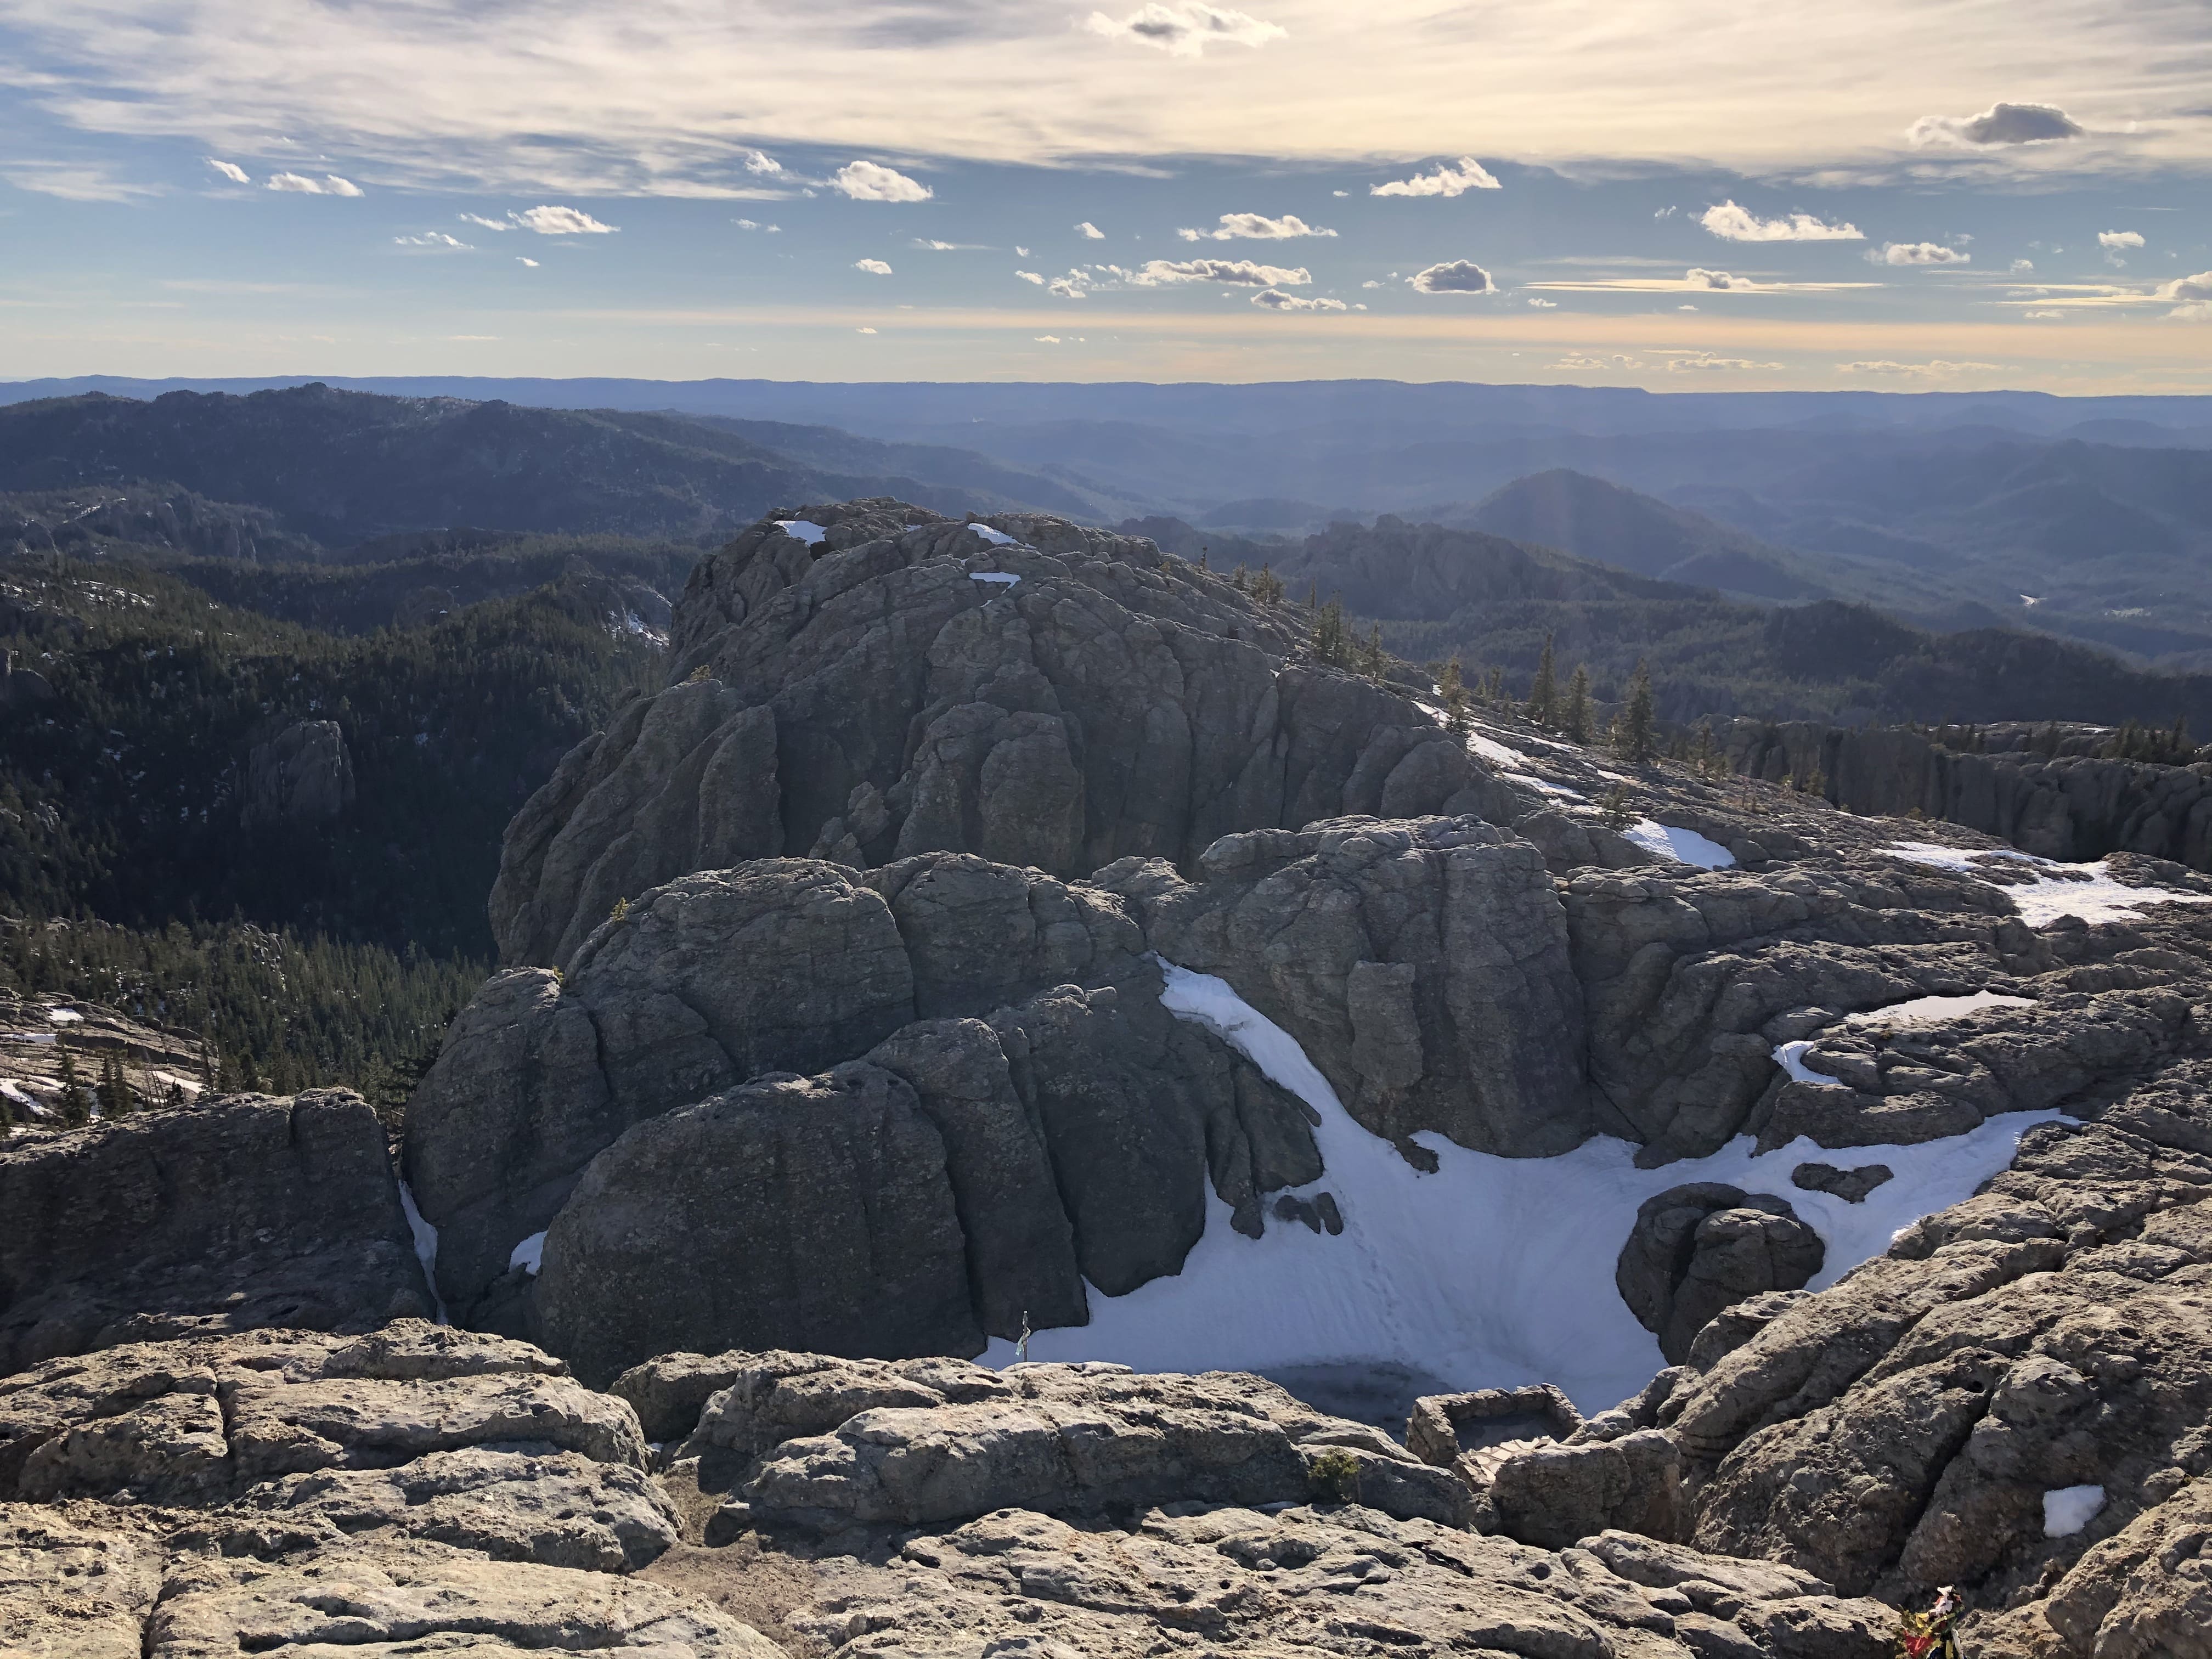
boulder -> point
(1697, 1251)
(1075, 1439)
(244, 1212)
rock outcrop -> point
(2069, 806)
(304, 774)
(870, 686)
(245, 1211)
(2013, 1398)
(998, 1110)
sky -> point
(1897, 194)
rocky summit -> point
(1033, 1109)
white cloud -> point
(755, 224)
(230, 170)
(1691, 361)
(868, 181)
(1031, 276)
(2119, 238)
(1446, 180)
(873, 267)
(1021, 253)
(1686, 307)
(935, 247)
(2198, 312)
(2045, 316)
(1935, 369)
(1240, 273)
(1666, 212)
(1698, 277)
(1453, 276)
(1067, 287)
(1046, 339)
(523, 259)
(432, 239)
(1273, 298)
(1089, 232)
(2198, 287)
(550, 221)
(2023, 267)
(1186, 31)
(73, 181)
(864, 330)
(1545, 305)
(1255, 227)
(1618, 361)
(489, 224)
(1999, 125)
(1916, 254)
(299, 184)
(1735, 224)
(760, 161)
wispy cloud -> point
(1186, 31)
(1273, 298)
(1446, 180)
(1255, 227)
(231, 170)
(75, 181)
(437, 238)
(299, 184)
(755, 224)
(870, 181)
(1935, 369)
(1736, 224)
(1705, 362)
(1696, 279)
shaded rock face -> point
(1698, 1250)
(2069, 807)
(304, 774)
(967, 1152)
(865, 698)
(1425, 967)
(244, 1212)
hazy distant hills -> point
(342, 467)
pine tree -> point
(1267, 587)
(1636, 731)
(1373, 659)
(1544, 690)
(1576, 716)
(1328, 635)
(1452, 693)
(1240, 580)
(75, 1104)
(1705, 756)
(175, 1096)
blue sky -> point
(1698, 193)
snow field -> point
(2086, 890)
(802, 530)
(1491, 1272)
(1683, 846)
(996, 538)
(426, 1248)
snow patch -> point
(1790, 1057)
(802, 530)
(64, 1016)
(2070, 1509)
(426, 1248)
(1491, 1271)
(1683, 846)
(1496, 752)
(996, 538)
(1002, 576)
(1551, 789)
(1924, 1011)
(529, 1255)
(2086, 890)
(30, 1037)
